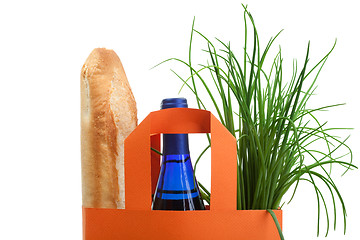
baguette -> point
(108, 116)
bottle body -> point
(177, 188)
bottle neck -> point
(175, 144)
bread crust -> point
(108, 115)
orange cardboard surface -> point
(138, 221)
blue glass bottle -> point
(177, 188)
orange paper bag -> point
(138, 221)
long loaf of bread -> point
(108, 116)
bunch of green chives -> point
(275, 130)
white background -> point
(43, 45)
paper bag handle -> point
(180, 120)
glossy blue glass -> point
(177, 188)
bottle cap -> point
(174, 103)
